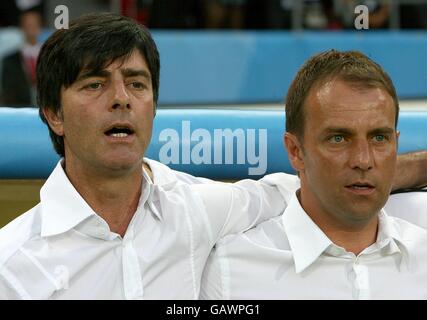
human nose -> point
(361, 156)
(120, 96)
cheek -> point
(79, 120)
(327, 162)
(326, 170)
(386, 154)
(387, 161)
(148, 130)
(146, 114)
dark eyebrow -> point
(384, 130)
(344, 131)
(127, 73)
(92, 73)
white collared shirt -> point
(61, 249)
(289, 257)
(410, 206)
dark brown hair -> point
(92, 42)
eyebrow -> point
(127, 73)
(92, 73)
(337, 130)
(345, 131)
(386, 130)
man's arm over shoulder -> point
(234, 208)
(411, 170)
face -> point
(348, 154)
(107, 118)
(31, 25)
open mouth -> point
(119, 132)
(360, 187)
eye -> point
(94, 86)
(337, 138)
(137, 85)
(379, 137)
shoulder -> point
(283, 178)
(16, 233)
(216, 197)
(409, 206)
(286, 183)
(163, 174)
(213, 190)
(266, 235)
(411, 234)
(12, 57)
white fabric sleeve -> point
(10, 287)
(409, 206)
(235, 208)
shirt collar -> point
(306, 239)
(150, 192)
(63, 207)
(390, 238)
(163, 176)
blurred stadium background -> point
(231, 54)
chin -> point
(123, 163)
(363, 215)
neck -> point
(114, 198)
(353, 237)
(32, 41)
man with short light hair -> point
(334, 240)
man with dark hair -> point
(103, 228)
(334, 240)
(68, 58)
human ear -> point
(55, 121)
(295, 151)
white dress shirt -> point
(289, 257)
(410, 206)
(61, 249)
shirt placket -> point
(132, 274)
(132, 278)
(361, 280)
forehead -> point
(30, 17)
(135, 60)
(338, 102)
